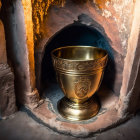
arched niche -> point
(76, 34)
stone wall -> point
(19, 50)
(114, 16)
(51, 16)
(7, 92)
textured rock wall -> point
(115, 16)
(7, 92)
(29, 39)
(118, 11)
(40, 11)
(20, 51)
(130, 91)
(13, 19)
(50, 16)
(121, 11)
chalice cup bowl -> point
(79, 72)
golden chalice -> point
(79, 72)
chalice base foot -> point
(78, 111)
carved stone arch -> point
(77, 33)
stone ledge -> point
(107, 118)
(103, 122)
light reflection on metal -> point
(79, 71)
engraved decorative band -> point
(79, 66)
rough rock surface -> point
(7, 93)
(47, 114)
(22, 127)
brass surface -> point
(79, 72)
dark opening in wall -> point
(76, 34)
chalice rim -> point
(81, 46)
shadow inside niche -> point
(76, 34)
